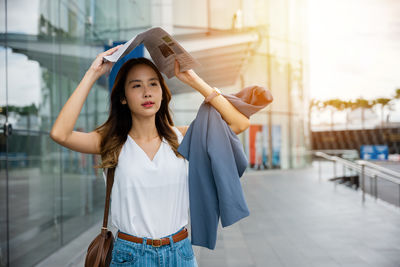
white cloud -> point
(23, 80)
(22, 16)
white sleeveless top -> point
(150, 198)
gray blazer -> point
(216, 162)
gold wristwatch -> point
(214, 93)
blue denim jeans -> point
(127, 253)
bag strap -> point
(103, 236)
(110, 182)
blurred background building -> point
(49, 195)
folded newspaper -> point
(163, 50)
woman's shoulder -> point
(182, 129)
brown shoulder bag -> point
(100, 249)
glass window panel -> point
(281, 137)
(3, 141)
(34, 203)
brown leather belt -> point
(156, 242)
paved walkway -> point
(296, 220)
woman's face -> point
(142, 86)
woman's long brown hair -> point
(114, 131)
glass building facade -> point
(49, 194)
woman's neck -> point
(143, 128)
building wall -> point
(278, 63)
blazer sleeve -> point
(250, 99)
(228, 162)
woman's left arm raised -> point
(233, 117)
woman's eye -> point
(136, 85)
(154, 84)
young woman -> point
(150, 198)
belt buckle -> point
(152, 243)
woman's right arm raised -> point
(62, 131)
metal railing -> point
(363, 168)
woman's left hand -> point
(189, 77)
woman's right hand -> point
(99, 67)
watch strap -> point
(211, 96)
